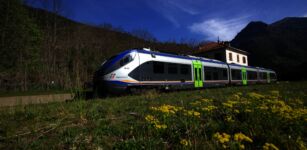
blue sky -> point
(180, 19)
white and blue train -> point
(142, 68)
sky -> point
(179, 20)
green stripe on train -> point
(197, 69)
(244, 76)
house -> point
(224, 52)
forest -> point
(42, 50)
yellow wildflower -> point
(160, 126)
(269, 146)
(192, 113)
(297, 102)
(241, 137)
(167, 109)
(185, 142)
(248, 110)
(241, 146)
(196, 103)
(229, 119)
(263, 107)
(239, 93)
(224, 146)
(209, 108)
(254, 95)
(274, 93)
(229, 103)
(236, 96)
(236, 111)
(155, 122)
(150, 118)
(301, 144)
(222, 138)
(206, 100)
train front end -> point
(112, 76)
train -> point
(138, 69)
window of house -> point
(238, 58)
(230, 56)
(244, 60)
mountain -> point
(281, 46)
(41, 50)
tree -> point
(143, 34)
(20, 39)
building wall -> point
(234, 58)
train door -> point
(268, 77)
(244, 76)
(197, 69)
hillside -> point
(42, 50)
(281, 46)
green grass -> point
(119, 123)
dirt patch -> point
(34, 99)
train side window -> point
(172, 68)
(225, 75)
(215, 75)
(208, 73)
(264, 75)
(208, 76)
(185, 69)
(260, 75)
(251, 75)
(273, 76)
(236, 74)
(158, 67)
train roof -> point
(250, 67)
(189, 57)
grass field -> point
(252, 117)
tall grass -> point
(270, 115)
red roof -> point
(216, 46)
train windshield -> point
(117, 61)
(108, 60)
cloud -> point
(182, 6)
(171, 9)
(214, 28)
